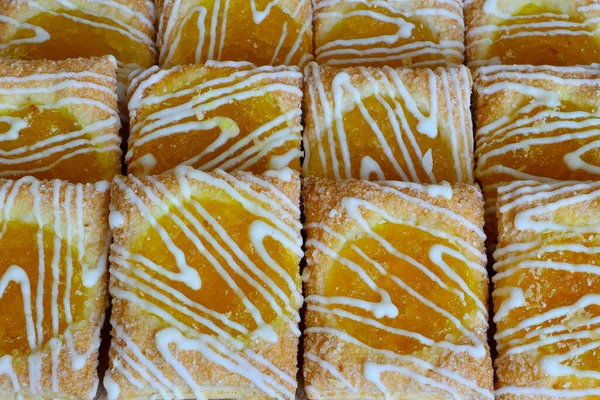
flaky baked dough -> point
(97, 77)
(164, 82)
(73, 383)
(323, 206)
(502, 103)
(452, 99)
(300, 10)
(84, 113)
(477, 18)
(143, 325)
(520, 244)
(440, 20)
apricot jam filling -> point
(218, 118)
(224, 284)
(19, 245)
(362, 141)
(224, 135)
(45, 142)
(361, 27)
(75, 37)
(544, 48)
(238, 37)
(536, 159)
(394, 274)
(549, 289)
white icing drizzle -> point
(42, 156)
(404, 47)
(372, 372)
(535, 122)
(403, 150)
(541, 256)
(211, 40)
(16, 274)
(148, 371)
(502, 23)
(59, 341)
(284, 174)
(127, 30)
(553, 393)
(331, 369)
(90, 14)
(444, 190)
(220, 340)
(115, 219)
(112, 388)
(366, 215)
(6, 368)
(238, 148)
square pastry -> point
(535, 32)
(226, 115)
(383, 123)
(270, 33)
(205, 285)
(547, 291)
(58, 29)
(54, 241)
(537, 123)
(59, 119)
(410, 319)
(395, 33)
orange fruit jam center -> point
(544, 159)
(237, 37)
(20, 247)
(414, 315)
(548, 289)
(227, 140)
(41, 151)
(216, 293)
(362, 142)
(364, 27)
(550, 49)
(71, 38)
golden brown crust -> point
(101, 65)
(448, 141)
(436, 39)
(163, 11)
(293, 47)
(546, 261)
(136, 328)
(105, 67)
(490, 107)
(130, 21)
(322, 195)
(21, 11)
(519, 196)
(89, 205)
(336, 363)
(501, 96)
(81, 92)
(235, 144)
(485, 28)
